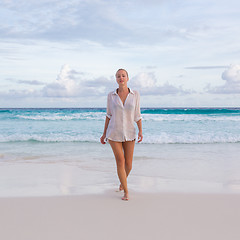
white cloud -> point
(231, 76)
(73, 84)
(205, 67)
(144, 80)
(12, 94)
(101, 21)
(64, 86)
(32, 82)
(147, 84)
(68, 85)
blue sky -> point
(179, 53)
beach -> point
(77, 168)
(70, 196)
(166, 216)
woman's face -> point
(121, 77)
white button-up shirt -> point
(122, 116)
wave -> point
(52, 114)
(4, 111)
(100, 116)
(186, 138)
(48, 138)
(190, 111)
(189, 117)
(163, 138)
(64, 117)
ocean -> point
(57, 151)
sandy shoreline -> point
(105, 216)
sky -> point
(178, 53)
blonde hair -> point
(121, 69)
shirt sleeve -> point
(137, 115)
(109, 112)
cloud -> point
(64, 86)
(61, 20)
(231, 76)
(27, 82)
(33, 82)
(205, 67)
(100, 21)
(149, 67)
(147, 84)
(19, 94)
(69, 85)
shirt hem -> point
(126, 140)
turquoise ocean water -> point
(57, 151)
(161, 126)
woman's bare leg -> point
(117, 148)
(128, 148)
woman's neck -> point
(123, 89)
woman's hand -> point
(140, 137)
(102, 139)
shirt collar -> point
(115, 92)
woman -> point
(123, 110)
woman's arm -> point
(104, 131)
(138, 118)
(108, 116)
(140, 136)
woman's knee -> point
(120, 162)
(128, 165)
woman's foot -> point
(120, 188)
(125, 197)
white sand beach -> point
(167, 216)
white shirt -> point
(122, 116)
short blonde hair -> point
(121, 69)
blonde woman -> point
(123, 109)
